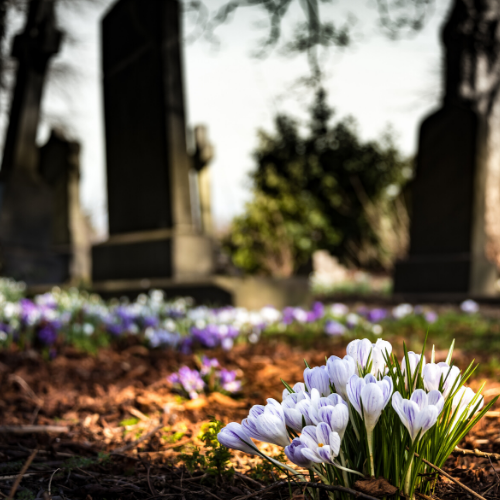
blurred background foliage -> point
(322, 189)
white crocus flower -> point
(298, 387)
(234, 436)
(419, 413)
(293, 415)
(267, 423)
(369, 397)
(317, 378)
(321, 444)
(462, 400)
(340, 371)
(360, 351)
(434, 373)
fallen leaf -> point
(377, 487)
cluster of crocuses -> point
(209, 377)
(367, 415)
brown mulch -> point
(106, 403)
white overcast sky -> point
(378, 81)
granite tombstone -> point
(151, 229)
(454, 232)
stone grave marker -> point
(455, 233)
(151, 229)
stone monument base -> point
(152, 254)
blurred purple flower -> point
(188, 380)
(334, 328)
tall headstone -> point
(454, 233)
(151, 228)
(25, 199)
(71, 233)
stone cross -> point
(455, 226)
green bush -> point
(327, 190)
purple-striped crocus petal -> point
(354, 387)
(387, 387)
(419, 397)
(272, 428)
(325, 452)
(337, 417)
(335, 441)
(317, 378)
(373, 404)
(294, 453)
(335, 399)
(397, 404)
(436, 398)
(234, 436)
(381, 349)
(323, 433)
(340, 371)
(370, 379)
(312, 455)
(413, 361)
(275, 409)
(256, 410)
(308, 436)
(424, 420)
(307, 409)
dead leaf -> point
(222, 399)
(377, 487)
(196, 404)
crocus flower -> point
(377, 314)
(336, 416)
(360, 351)
(463, 399)
(372, 394)
(234, 436)
(228, 380)
(298, 387)
(434, 373)
(402, 310)
(334, 328)
(469, 306)
(339, 310)
(293, 416)
(267, 423)
(321, 444)
(413, 361)
(419, 413)
(340, 371)
(317, 378)
(294, 453)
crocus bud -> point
(419, 413)
(340, 371)
(372, 394)
(317, 378)
(294, 453)
(234, 436)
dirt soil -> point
(110, 426)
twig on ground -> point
(19, 477)
(151, 487)
(50, 482)
(27, 388)
(32, 429)
(476, 452)
(425, 497)
(456, 481)
(249, 479)
(137, 442)
(327, 487)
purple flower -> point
(228, 381)
(207, 364)
(234, 436)
(294, 453)
(47, 334)
(188, 380)
(321, 444)
(334, 328)
(469, 306)
(430, 317)
(376, 315)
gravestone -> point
(151, 229)
(454, 232)
(25, 198)
(70, 231)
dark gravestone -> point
(25, 198)
(70, 230)
(149, 202)
(455, 194)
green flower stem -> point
(369, 438)
(344, 473)
(407, 485)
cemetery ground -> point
(109, 425)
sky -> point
(380, 82)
